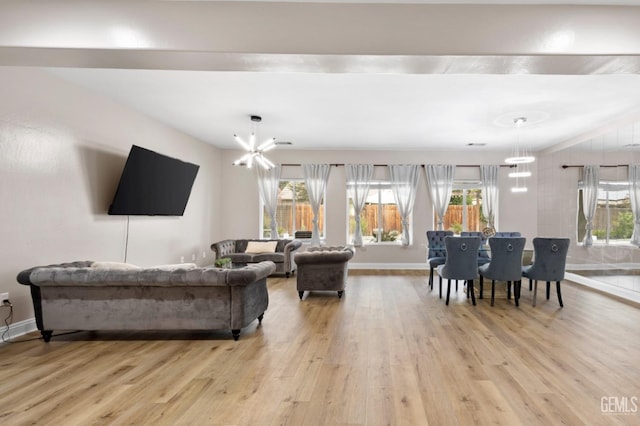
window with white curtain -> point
(465, 208)
(293, 211)
(380, 220)
(613, 221)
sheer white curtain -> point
(590, 182)
(489, 177)
(404, 184)
(358, 182)
(315, 179)
(634, 193)
(268, 182)
(440, 182)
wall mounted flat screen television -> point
(153, 184)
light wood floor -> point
(390, 352)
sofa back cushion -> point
(241, 245)
(261, 247)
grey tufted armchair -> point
(323, 268)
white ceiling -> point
(371, 111)
(348, 76)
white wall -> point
(62, 150)
(517, 212)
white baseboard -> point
(19, 328)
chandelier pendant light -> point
(520, 174)
(520, 185)
(519, 161)
(520, 154)
(255, 153)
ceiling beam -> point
(354, 64)
(322, 28)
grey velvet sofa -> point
(282, 256)
(80, 296)
(323, 268)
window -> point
(380, 220)
(465, 209)
(613, 221)
(293, 211)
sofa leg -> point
(301, 293)
(46, 335)
(287, 274)
(340, 294)
(235, 333)
(260, 318)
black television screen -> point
(153, 184)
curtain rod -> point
(384, 165)
(564, 166)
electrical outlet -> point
(181, 259)
(3, 297)
(204, 254)
(193, 256)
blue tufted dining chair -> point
(505, 265)
(504, 234)
(549, 261)
(437, 254)
(461, 263)
(483, 255)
